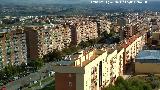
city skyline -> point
(79, 44)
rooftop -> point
(78, 60)
(148, 56)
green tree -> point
(2, 74)
(155, 84)
(9, 70)
(119, 80)
(55, 55)
(70, 50)
(83, 44)
(147, 87)
(131, 84)
(38, 63)
(23, 67)
(18, 70)
(107, 35)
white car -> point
(51, 73)
(34, 82)
(15, 78)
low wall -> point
(141, 68)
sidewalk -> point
(37, 86)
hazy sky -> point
(42, 1)
(57, 1)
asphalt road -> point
(30, 78)
(40, 87)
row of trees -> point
(90, 42)
(57, 55)
(105, 34)
(36, 64)
(110, 38)
(131, 84)
(10, 71)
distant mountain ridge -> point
(42, 1)
(24, 2)
(77, 7)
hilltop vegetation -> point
(149, 82)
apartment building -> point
(42, 40)
(12, 47)
(97, 68)
(155, 39)
(19, 47)
(83, 31)
(120, 58)
(128, 31)
(132, 46)
(104, 25)
(115, 59)
(91, 69)
(32, 42)
(65, 33)
(115, 27)
(132, 28)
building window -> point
(70, 84)
(86, 83)
(70, 75)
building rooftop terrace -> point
(148, 56)
(76, 60)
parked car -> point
(52, 73)
(35, 82)
(16, 77)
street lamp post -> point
(30, 80)
(40, 83)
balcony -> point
(8, 52)
(94, 85)
(111, 62)
(93, 79)
(111, 67)
(111, 73)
